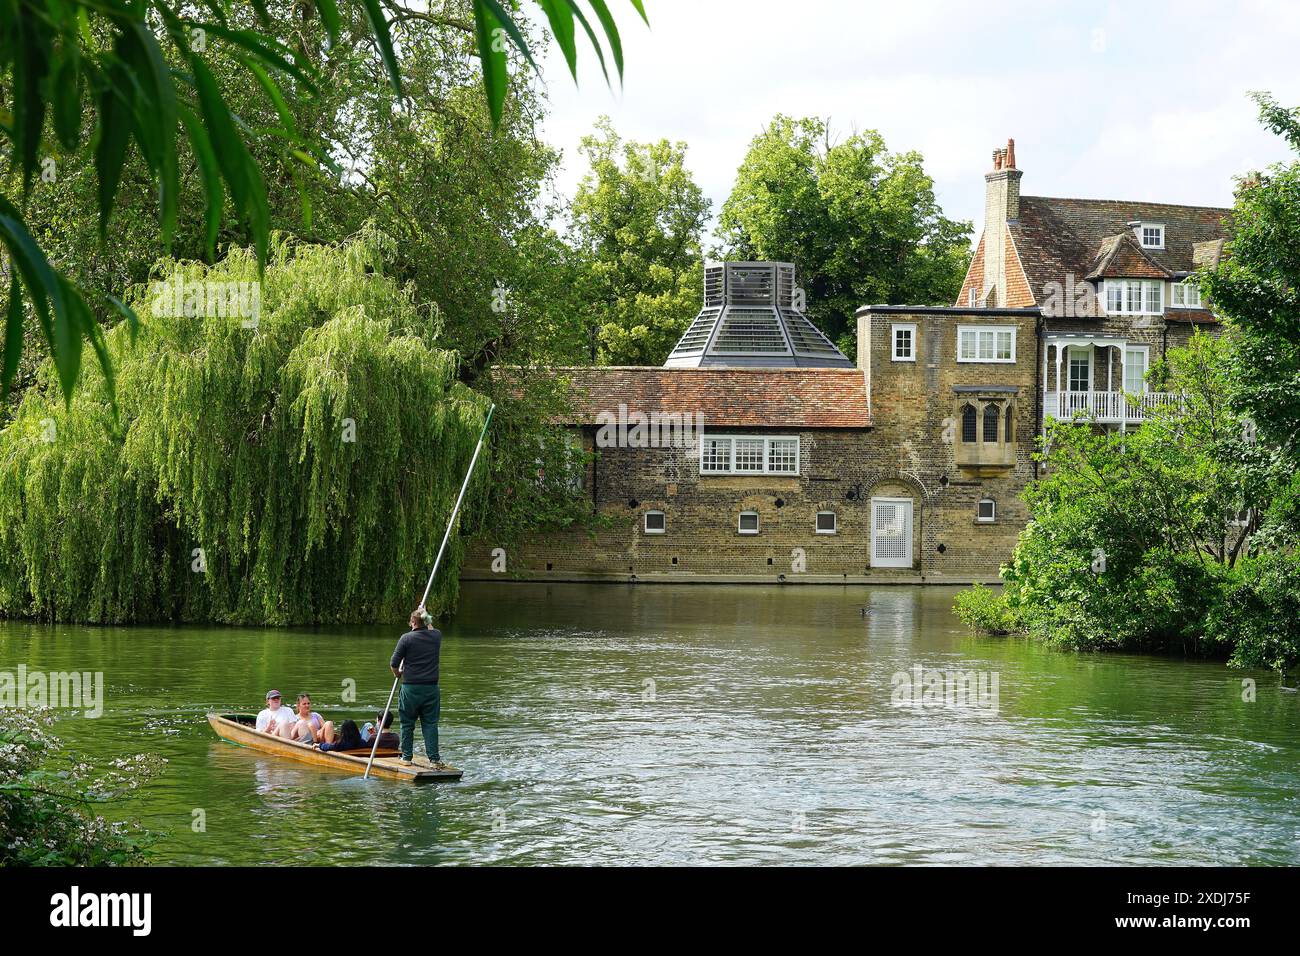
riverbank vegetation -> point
(1183, 534)
(48, 798)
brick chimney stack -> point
(1001, 205)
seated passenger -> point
(387, 740)
(275, 716)
(309, 727)
(348, 738)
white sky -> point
(1138, 100)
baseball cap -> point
(272, 693)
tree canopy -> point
(860, 223)
(139, 74)
(638, 218)
(288, 456)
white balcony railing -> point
(1105, 406)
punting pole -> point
(451, 523)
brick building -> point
(759, 453)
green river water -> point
(703, 724)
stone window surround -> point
(999, 454)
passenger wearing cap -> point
(276, 716)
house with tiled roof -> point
(759, 452)
(1110, 278)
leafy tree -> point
(141, 70)
(637, 221)
(1256, 289)
(289, 456)
(860, 223)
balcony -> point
(1105, 407)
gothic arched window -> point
(990, 424)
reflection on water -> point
(704, 724)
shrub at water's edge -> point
(288, 466)
(1175, 537)
(48, 798)
(984, 609)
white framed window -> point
(1184, 295)
(986, 343)
(1080, 369)
(1151, 235)
(715, 456)
(748, 523)
(986, 510)
(1134, 296)
(1136, 362)
(904, 339)
(971, 297)
(656, 522)
(749, 455)
(826, 522)
(783, 456)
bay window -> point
(1184, 295)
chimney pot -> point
(1011, 154)
(997, 159)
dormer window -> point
(1151, 235)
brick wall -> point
(910, 452)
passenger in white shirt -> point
(276, 717)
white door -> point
(891, 532)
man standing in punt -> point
(415, 660)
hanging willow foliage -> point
(294, 463)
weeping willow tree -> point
(284, 447)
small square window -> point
(987, 510)
(826, 522)
(748, 522)
(904, 343)
(656, 522)
(1153, 236)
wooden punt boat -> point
(238, 729)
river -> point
(704, 725)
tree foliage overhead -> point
(138, 74)
(638, 217)
(860, 223)
(297, 471)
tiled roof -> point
(1122, 256)
(727, 397)
(1056, 237)
(1197, 316)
